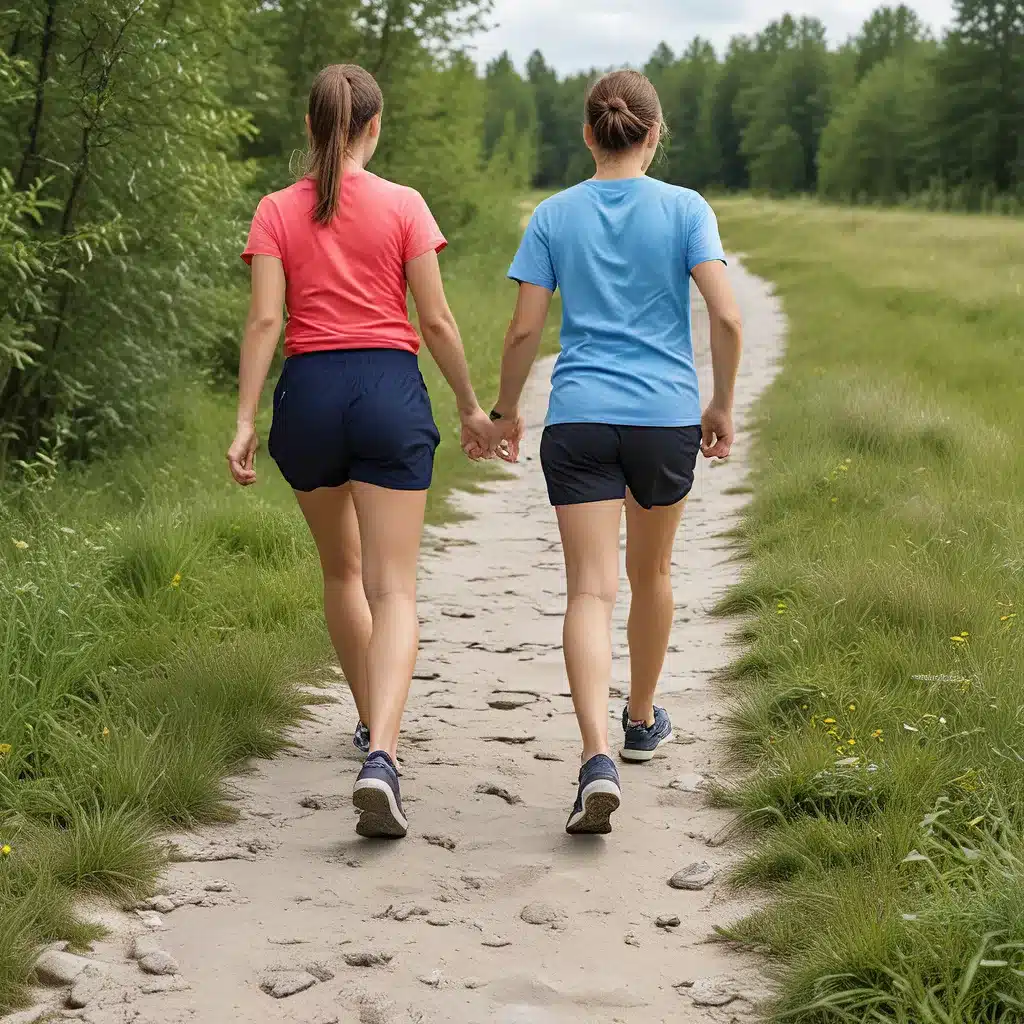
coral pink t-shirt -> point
(345, 283)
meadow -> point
(877, 712)
(160, 626)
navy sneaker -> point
(361, 739)
(643, 740)
(597, 798)
(377, 797)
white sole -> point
(638, 756)
(601, 798)
(379, 815)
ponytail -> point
(343, 101)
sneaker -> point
(643, 740)
(361, 739)
(597, 798)
(377, 797)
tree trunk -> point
(31, 151)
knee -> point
(388, 588)
(342, 569)
(604, 591)
(648, 572)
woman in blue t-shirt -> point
(624, 424)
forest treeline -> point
(894, 113)
(135, 136)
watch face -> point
(495, 415)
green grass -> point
(878, 711)
(157, 623)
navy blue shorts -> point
(585, 462)
(353, 414)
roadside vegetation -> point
(877, 719)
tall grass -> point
(157, 623)
(878, 712)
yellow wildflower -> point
(829, 721)
(106, 731)
(852, 743)
(853, 707)
(21, 545)
(5, 749)
(1006, 618)
(958, 639)
(176, 580)
(877, 734)
(5, 850)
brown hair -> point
(342, 102)
(621, 108)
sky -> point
(576, 35)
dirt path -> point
(488, 912)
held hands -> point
(717, 431)
(483, 438)
(242, 453)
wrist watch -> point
(495, 415)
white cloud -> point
(576, 35)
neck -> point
(610, 168)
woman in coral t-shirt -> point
(353, 432)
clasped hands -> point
(484, 438)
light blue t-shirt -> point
(621, 252)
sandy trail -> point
(437, 928)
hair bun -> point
(618, 103)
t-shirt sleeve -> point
(532, 263)
(264, 236)
(703, 243)
(420, 233)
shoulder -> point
(687, 199)
(300, 195)
(559, 203)
(389, 191)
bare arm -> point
(522, 342)
(440, 332)
(726, 347)
(262, 331)
(441, 335)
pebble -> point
(87, 986)
(282, 984)
(717, 991)
(668, 921)
(217, 885)
(543, 755)
(631, 939)
(693, 877)
(495, 941)
(473, 983)
(159, 962)
(55, 967)
(439, 920)
(691, 783)
(368, 958)
(544, 915)
(151, 919)
(492, 789)
(162, 904)
(320, 971)
(433, 980)
(509, 703)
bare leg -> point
(590, 543)
(390, 525)
(650, 536)
(331, 517)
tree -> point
(981, 99)
(878, 142)
(510, 119)
(780, 165)
(888, 32)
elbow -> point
(266, 323)
(731, 322)
(436, 327)
(520, 335)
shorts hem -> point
(391, 485)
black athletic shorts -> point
(586, 462)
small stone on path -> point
(58, 968)
(159, 962)
(151, 919)
(495, 941)
(281, 984)
(631, 939)
(368, 958)
(320, 971)
(87, 986)
(516, 741)
(542, 914)
(543, 755)
(668, 921)
(717, 991)
(162, 904)
(433, 980)
(693, 877)
(492, 789)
